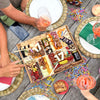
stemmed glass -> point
(94, 38)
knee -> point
(16, 3)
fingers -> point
(18, 65)
(12, 70)
(41, 28)
(15, 69)
(14, 74)
(15, 62)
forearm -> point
(19, 16)
(91, 97)
(88, 95)
(3, 41)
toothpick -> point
(20, 50)
(71, 49)
(53, 69)
(19, 61)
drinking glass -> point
(85, 82)
(95, 37)
(44, 17)
(96, 29)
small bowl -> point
(66, 86)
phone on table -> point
(19, 31)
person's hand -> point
(23, 4)
(40, 28)
(37, 24)
(88, 95)
(85, 92)
(11, 70)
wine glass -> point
(95, 37)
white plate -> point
(90, 48)
(54, 7)
(38, 97)
(5, 86)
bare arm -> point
(3, 42)
(88, 95)
(11, 70)
(21, 17)
(8, 69)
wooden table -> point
(94, 64)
